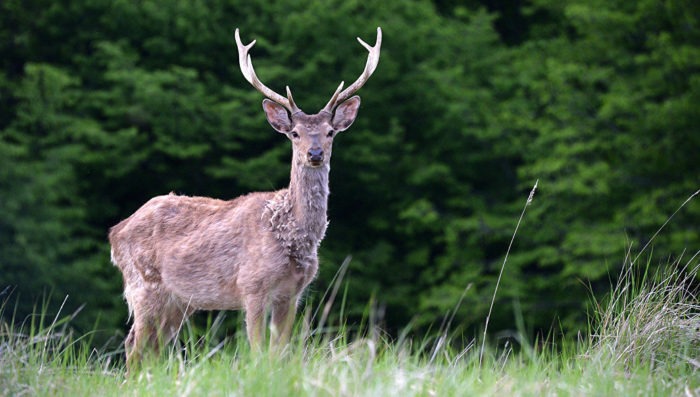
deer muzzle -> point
(315, 156)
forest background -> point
(107, 103)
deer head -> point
(311, 135)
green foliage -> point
(104, 104)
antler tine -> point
(334, 99)
(370, 66)
(294, 107)
(246, 64)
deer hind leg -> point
(255, 320)
(157, 320)
(129, 344)
(283, 314)
(170, 322)
(141, 336)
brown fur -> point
(179, 254)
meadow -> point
(643, 339)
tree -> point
(105, 104)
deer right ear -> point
(277, 116)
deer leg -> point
(156, 322)
(255, 321)
(170, 324)
(283, 314)
(129, 345)
(150, 335)
(142, 334)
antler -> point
(370, 66)
(249, 73)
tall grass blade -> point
(692, 196)
(500, 274)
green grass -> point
(644, 340)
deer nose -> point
(315, 155)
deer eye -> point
(295, 134)
(330, 134)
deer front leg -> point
(283, 314)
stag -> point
(257, 252)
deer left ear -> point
(345, 114)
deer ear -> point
(345, 113)
(277, 116)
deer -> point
(257, 253)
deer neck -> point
(308, 198)
(297, 215)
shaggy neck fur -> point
(298, 214)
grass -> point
(645, 342)
(643, 339)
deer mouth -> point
(314, 163)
